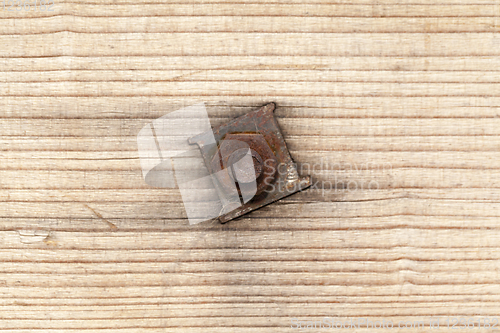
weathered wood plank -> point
(254, 44)
(259, 8)
(13, 145)
(275, 24)
(402, 96)
(314, 126)
(295, 63)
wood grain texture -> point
(394, 108)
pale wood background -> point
(86, 245)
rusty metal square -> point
(263, 122)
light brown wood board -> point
(396, 104)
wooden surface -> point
(404, 97)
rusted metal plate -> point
(269, 173)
